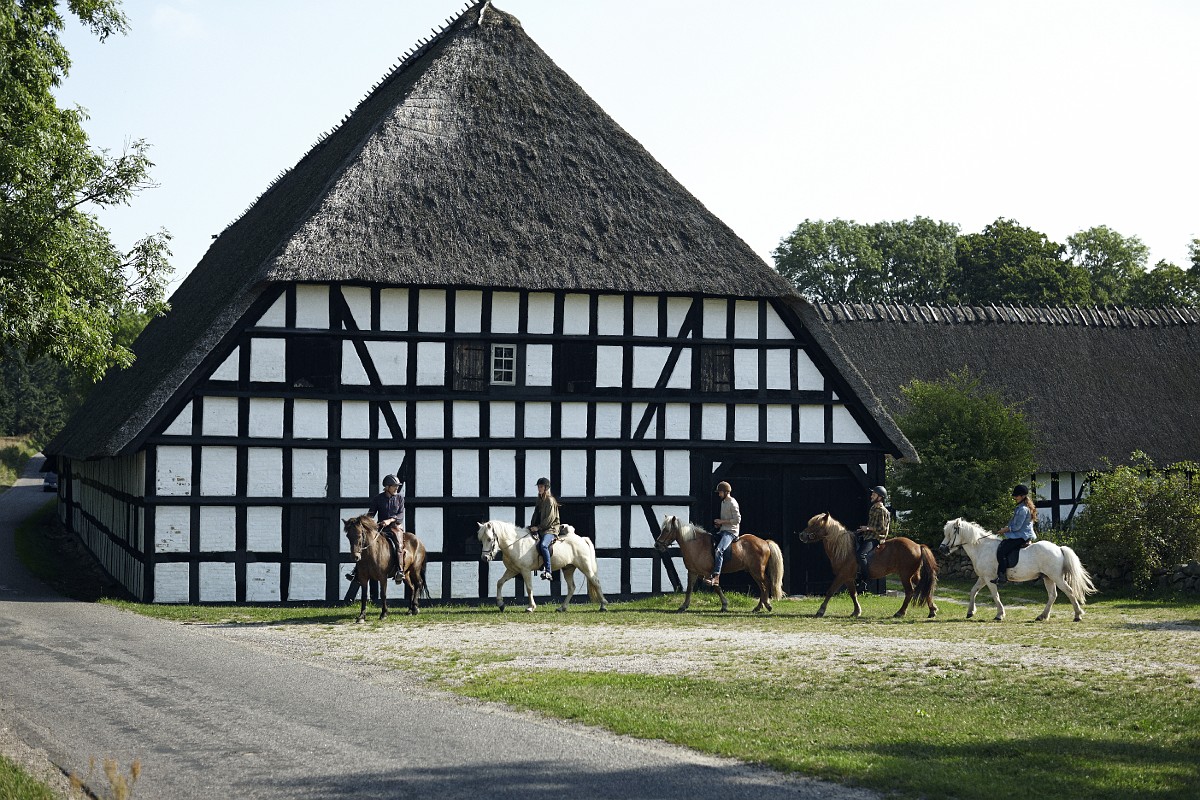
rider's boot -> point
(1001, 577)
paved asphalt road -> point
(208, 717)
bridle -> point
(493, 545)
(358, 527)
(954, 543)
(670, 532)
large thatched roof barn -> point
(1096, 384)
(477, 279)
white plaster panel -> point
(712, 422)
(641, 574)
(609, 360)
(268, 360)
(779, 423)
(1041, 485)
(431, 363)
(431, 310)
(637, 412)
(310, 473)
(503, 420)
(539, 364)
(228, 371)
(172, 529)
(306, 582)
(608, 528)
(400, 412)
(645, 316)
(312, 306)
(218, 470)
(353, 371)
(640, 532)
(356, 419)
(391, 361)
(776, 327)
(218, 528)
(610, 315)
(428, 473)
(310, 419)
(266, 418)
(608, 473)
(577, 315)
(264, 529)
(681, 375)
(745, 423)
(506, 312)
(745, 319)
(812, 423)
(608, 420)
(433, 579)
(677, 472)
(573, 473)
(431, 419)
(393, 309)
(218, 583)
(646, 464)
(464, 579)
(541, 313)
(220, 416)
(537, 420)
(276, 315)
(502, 513)
(715, 318)
(182, 424)
(610, 575)
(681, 512)
(745, 368)
(428, 524)
(344, 514)
(468, 311)
(537, 465)
(264, 471)
(389, 464)
(502, 473)
(172, 582)
(807, 374)
(574, 420)
(464, 466)
(677, 310)
(779, 369)
(466, 419)
(263, 582)
(648, 363)
(678, 420)
(845, 429)
(356, 474)
(358, 300)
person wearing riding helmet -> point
(729, 525)
(388, 509)
(1017, 533)
(879, 524)
(545, 524)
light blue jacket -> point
(1021, 524)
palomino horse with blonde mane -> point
(761, 558)
(373, 555)
(519, 550)
(1058, 567)
(913, 563)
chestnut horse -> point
(761, 558)
(913, 563)
(373, 555)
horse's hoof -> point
(560, 609)
(932, 614)
(604, 607)
(529, 611)
(681, 609)
(819, 614)
(361, 619)
(1078, 619)
(898, 615)
(1040, 618)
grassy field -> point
(14, 452)
(17, 784)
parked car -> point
(50, 482)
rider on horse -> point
(388, 509)
(545, 524)
(879, 523)
(728, 526)
(1018, 533)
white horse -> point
(571, 552)
(1058, 567)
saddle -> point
(1015, 555)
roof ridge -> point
(1090, 316)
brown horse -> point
(373, 554)
(760, 557)
(914, 563)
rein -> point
(957, 545)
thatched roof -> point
(1095, 383)
(475, 162)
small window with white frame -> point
(504, 365)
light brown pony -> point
(760, 557)
(913, 563)
(373, 555)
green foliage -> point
(15, 451)
(63, 283)
(1165, 285)
(973, 447)
(1008, 263)
(17, 784)
(1141, 517)
(1113, 262)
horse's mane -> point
(688, 530)
(366, 521)
(978, 530)
(840, 541)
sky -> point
(1062, 115)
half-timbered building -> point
(476, 280)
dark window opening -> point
(465, 519)
(470, 366)
(313, 362)
(312, 533)
(575, 367)
(716, 368)
(504, 364)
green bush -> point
(1140, 518)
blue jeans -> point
(543, 547)
(723, 545)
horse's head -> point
(956, 533)
(818, 528)
(489, 540)
(669, 533)
(357, 530)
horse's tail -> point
(927, 582)
(775, 571)
(594, 593)
(1075, 576)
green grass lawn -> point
(17, 784)
(15, 451)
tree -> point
(832, 262)
(918, 258)
(973, 446)
(1165, 285)
(1008, 263)
(1113, 262)
(63, 284)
